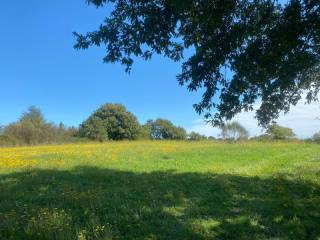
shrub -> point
(7, 141)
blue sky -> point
(38, 66)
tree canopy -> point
(316, 137)
(165, 129)
(276, 131)
(194, 136)
(32, 128)
(234, 131)
(110, 121)
(272, 50)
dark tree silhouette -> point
(271, 49)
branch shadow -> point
(92, 203)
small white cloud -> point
(302, 118)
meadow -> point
(161, 190)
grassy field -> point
(161, 190)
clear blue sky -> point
(38, 66)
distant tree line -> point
(115, 122)
(276, 132)
(32, 128)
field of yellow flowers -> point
(161, 190)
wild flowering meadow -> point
(161, 190)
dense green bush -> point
(110, 121)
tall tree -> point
(165, 129)
(110, 121)
(34, 116)
(234, 131)
(31, 128)
(276, 131)
(271, 49)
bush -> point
(110, 121)
(7, 141)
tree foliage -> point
(165, 129)
(316, 137)
(32, 128)
(145, 131)
(233, 131)
(110, 121)
(1, 129)
(271, 49)
(194, 136)
(276, 131)
(94, 128)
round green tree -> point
(165, 129)
(110, 121)
(276, 131)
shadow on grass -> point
(92, 203)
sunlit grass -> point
(161, 190)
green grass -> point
(161, 190)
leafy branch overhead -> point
(272, 50)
